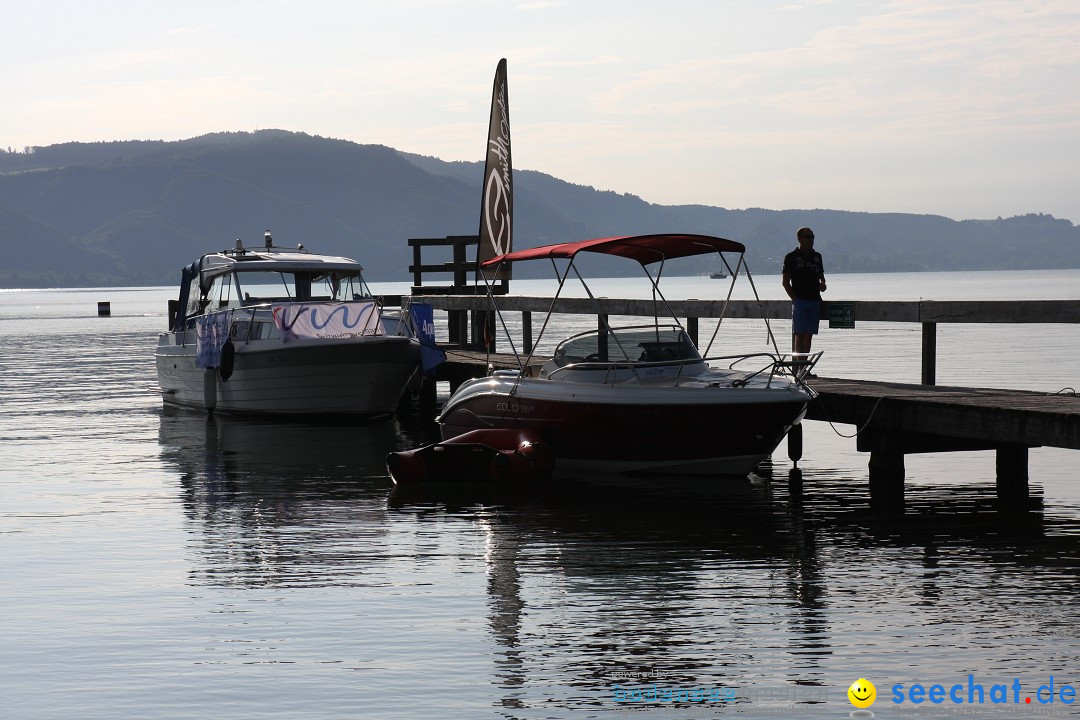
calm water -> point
(159, 565)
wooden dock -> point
(892, 419)
(928, 314)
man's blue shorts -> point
(805, 316)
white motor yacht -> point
(282, 331)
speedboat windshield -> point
(628, 345)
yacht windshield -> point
(262, 286)
(339, 286)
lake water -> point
(160, 565)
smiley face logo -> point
(862, 693)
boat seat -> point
(660, 351)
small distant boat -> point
(718, 275)
(285, 332)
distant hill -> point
(131, 213)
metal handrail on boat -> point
(404, 320)
(776, 366)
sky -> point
(967, 109)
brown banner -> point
(497, 207)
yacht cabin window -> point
(222, 295)
(194, 304)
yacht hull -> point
(364, 376)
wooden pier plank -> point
(1012, 417)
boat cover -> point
(645, 249)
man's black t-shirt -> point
(806, 272)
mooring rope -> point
(858, 430)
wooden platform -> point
(462, 365)
(895, 419)
(984, 415)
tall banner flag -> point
(497, 206)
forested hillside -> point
(131, 213)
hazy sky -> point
(964, 109)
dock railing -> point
(928, 313)
(462, 272)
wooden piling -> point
(886, 473)
(526, 332)
(692, 330)
(929, 353)
(1012, 475)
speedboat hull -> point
(357, 376)
(644, 429)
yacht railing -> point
(249, 313)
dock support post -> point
(1012, 473)
(602, 336)
(428, 393)
(483, 330)
(929, 353)
(458, 327)
(886, 473)
(526, 332)
(692, 330)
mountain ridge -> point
(134, 212)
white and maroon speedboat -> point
(640, 399)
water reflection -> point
(279, 502)
(762, 583)
(711, 588)
(628, 584)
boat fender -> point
(228, 355)
(408, 466)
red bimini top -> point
(645, 249)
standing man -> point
(804, 281)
